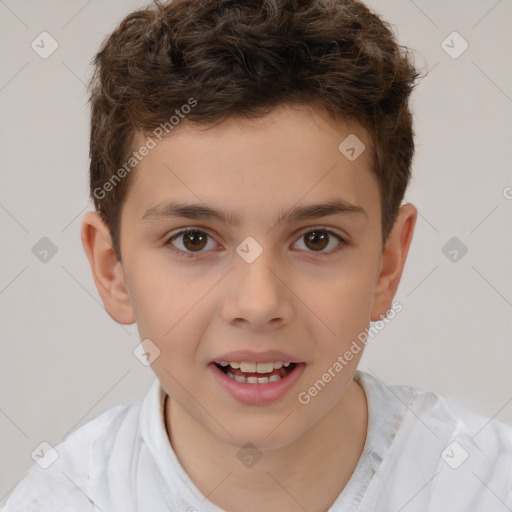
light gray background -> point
(64, 360)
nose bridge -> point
(259, 295)
(255, 269)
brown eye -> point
(188, 242)
(316, 240)
(194, 240)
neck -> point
(308, 473)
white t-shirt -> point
(418, 456)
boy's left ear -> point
(106, 270)
(393, 260)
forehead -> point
(290, 156)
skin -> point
(309, 303)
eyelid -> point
(172, 236)
(327, 229)
(342, 239)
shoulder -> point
(447, 420)
(441, 446)
(62, 477)
(446, 417)
(476, 459)
(428, 410)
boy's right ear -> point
(106, 270)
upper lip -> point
(256, 357)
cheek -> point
(164, 299)
(343, 302)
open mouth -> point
(256, 383)
(257, 377)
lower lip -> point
(257, 394)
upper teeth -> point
(255, 367)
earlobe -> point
(393, 261)
(107, 272)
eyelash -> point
(185, 254)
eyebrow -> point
(177, 209)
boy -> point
(248, 162)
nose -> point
(257, 295)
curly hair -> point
(214, 59)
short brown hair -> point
(242, 58)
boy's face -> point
(305, 295)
